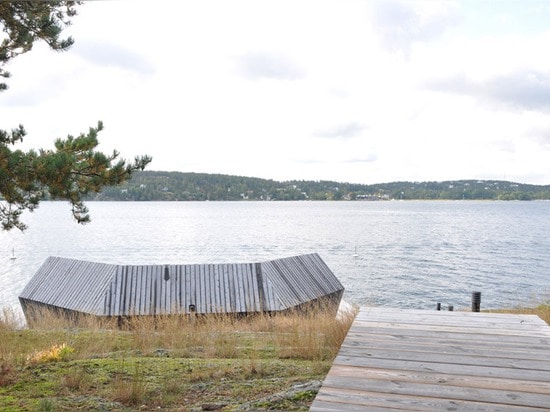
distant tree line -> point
(178, 186)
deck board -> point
(395, 359)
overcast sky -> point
(352, 91)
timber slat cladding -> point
(127, 290)
(395, 359)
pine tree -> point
(75, 168)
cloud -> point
(523, 89)
(507, 146)
(540, 136)
(35, 95)
(112, 55)
(264, 65)
(368, 158)
(341, 131)
(400, 23)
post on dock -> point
(476, 301)
(438, 306)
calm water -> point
(398, 254)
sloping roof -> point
(123, 290)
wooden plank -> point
(336, 406)
(456, 369)
(257, 299)
(132, 304)
(167, 288)
(238, 278)
(427, 337)
(446, 347)
(210, 289)
(487, 330)
(385, 312)
(218, 292)
(177, 283)
(384, 401)
(161, 296)
(248, 296)
(451, 358)
(147, 290)
(439, 391)
(467, 322)
(472, 381)
(232, 287)
(118, 291)
(201, 301)
(248, 291)
(188, 295)
(159, 285)
(477, 326)
(227, 290)
(198, 288)
(136, 291)
(449, 334)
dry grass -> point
(542, 311)
(124, 362)
(9, 319)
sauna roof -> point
(126, 290)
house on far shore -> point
(75, 287)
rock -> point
(213, 406)
(312, 386)
(161, 353)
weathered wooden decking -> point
(440, 361)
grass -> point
(166, 363)
(541, 310)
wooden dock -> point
(414, 360)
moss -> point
(9, 402)
(160, 382)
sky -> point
(350, 91)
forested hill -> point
(153, 185)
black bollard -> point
(476, 301)
(438, 306)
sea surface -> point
(403, 254)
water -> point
(398, 254)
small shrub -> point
(45, 405)
(7, 374)
(75, 381)
(130, 391)
(54, 354)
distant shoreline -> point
(179, 186)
